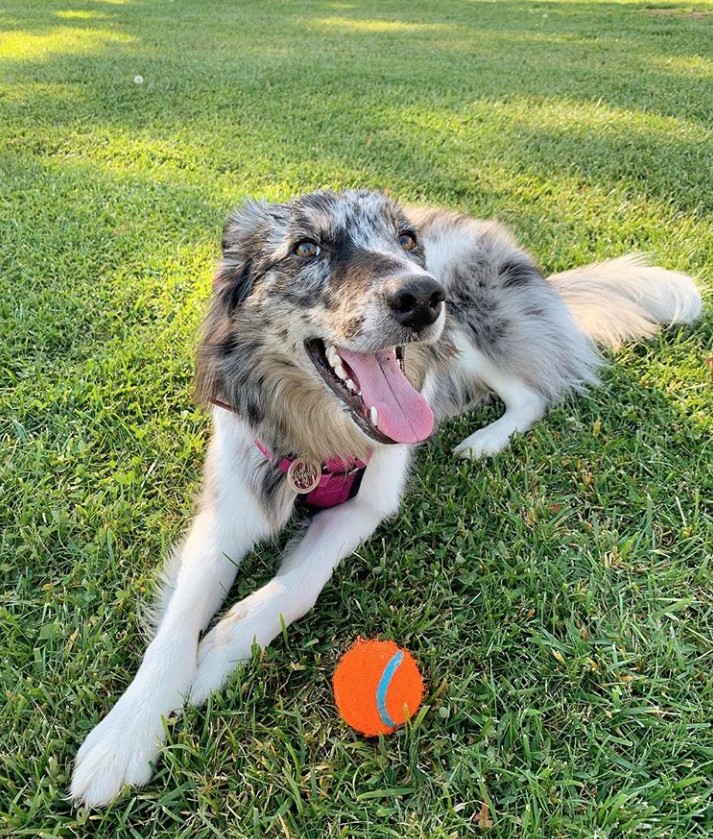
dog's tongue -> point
(404, 415)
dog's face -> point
(314, 306)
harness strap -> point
(338, 481)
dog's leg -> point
(121, 748)
(523, 408)
(307, 567)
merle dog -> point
(342, 328)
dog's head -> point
(314, 305)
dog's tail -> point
(625, 298)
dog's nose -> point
(416, 302)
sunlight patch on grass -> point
(373, 25)
(26, 46)
(563, 114)
(80, 14)
(689, 66)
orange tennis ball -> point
(377, 687)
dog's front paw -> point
(483, 443)
(119, 751)
(219, 653)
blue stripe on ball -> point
(383, 687)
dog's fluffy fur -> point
(355, 272)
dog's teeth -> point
(374, 417)
(335, 362)
(350, 384)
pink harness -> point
(337, 481)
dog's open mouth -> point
(382, 401)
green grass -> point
(559, 597)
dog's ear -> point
(233, 282)
(242, 234)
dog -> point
(341, 330)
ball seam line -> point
(383, 688)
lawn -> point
(559, 597)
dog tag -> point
(303, 476)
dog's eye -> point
(307, 249)
(407, 241)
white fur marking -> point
(523, 406)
